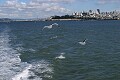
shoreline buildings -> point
(90, 15)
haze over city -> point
(46, 8)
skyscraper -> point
(98, 11)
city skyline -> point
(46, 8)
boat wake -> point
(9, 58)
(11, 66)
(23, 75)
(35, 71)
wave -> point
(41, 69)
(60, 56)
(23, 75)
(11, 66)
(35, 71)
(10, 62)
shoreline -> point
(59, 20)
(80, 19)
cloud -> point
(53, 1)
(34, 8)
(108, 1)
(3, 14)
(45, 6)
(63, 1)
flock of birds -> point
(56, 25)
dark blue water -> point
(29, 52)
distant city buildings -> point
(88, 15)
(98, 11)
(97, 14)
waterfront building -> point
(88, 15)
(98, 11)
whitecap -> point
(35, 71)
(54, 37)
(42, 68)
(31, 50)
(61, 56)
(23, 75)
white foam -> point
(10, 62)
(31, 50)
(11, 67)
(61, 56)
(54, 37)
(43, 68)
(23, 75)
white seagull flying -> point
(51, 26)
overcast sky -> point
(46, 8)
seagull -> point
(61, 56)
(51, 26)
(83, 42)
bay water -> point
(28, 51)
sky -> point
(45, 8)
